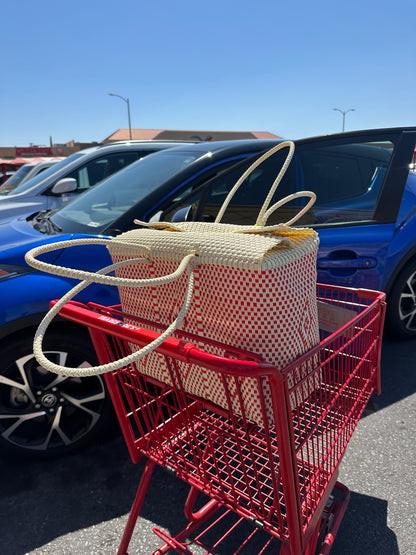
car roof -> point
(141, 141)
(360, 133)
(40, 162)
(121, 145)
(234, 146)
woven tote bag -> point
(250, 287)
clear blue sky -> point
(267, 65)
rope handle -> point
(98, 277)
(261, 219)
(250, 229)
(259, 230)
(120, 363)
(285, 200)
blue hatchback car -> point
(365, 215)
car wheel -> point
(401, 304)
(44, 414)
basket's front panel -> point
(272, 313)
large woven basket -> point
(251, 290)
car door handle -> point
(360, 262)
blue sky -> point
(219, 65)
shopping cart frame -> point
(311, 501)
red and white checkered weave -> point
(252, 291)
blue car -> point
(365, 215)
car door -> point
(358, 178)
(359, 191)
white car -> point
(60, 183)
(24, 173)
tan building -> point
(186, 135)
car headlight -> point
(9, 271)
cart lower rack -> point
(275, 480)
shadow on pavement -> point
(44, 500)
(364, 528)
(41, 501)
(398, 374)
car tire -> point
(44, 414)
(401, 304)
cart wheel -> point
(321, 538)
(401, 305)
(44, 414)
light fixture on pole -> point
(343, 112)
(126, 100)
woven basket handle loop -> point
(285, 200)
(129, 359)
(254, 165)
(98, 277)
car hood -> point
(10, 208)
(18, 237)
(18, 232)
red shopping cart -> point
(269, 485)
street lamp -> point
(126, 100)
(343, 112)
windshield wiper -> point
(44, 224)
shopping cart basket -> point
(276, 481)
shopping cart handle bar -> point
(181, 350)
(81, 314)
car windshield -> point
(98, 208)
(46, 173)
(15, 179)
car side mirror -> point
(66, 185)
(182, 215)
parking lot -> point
(79, 505)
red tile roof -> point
(177, 134)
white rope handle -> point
(287, 199)
(97, 277)
(249, 170)
(114, 365)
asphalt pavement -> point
(78, 505)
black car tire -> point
(401, 304)
(44, 414)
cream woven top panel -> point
(221, 244)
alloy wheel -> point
(41, 411)
(407, 303)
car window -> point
(15, 179)
(23, 187)
(98, 169)
(347, 179)
(206, 200)
(40, 170)
(100, 206)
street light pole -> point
(126, 100)
(343, 112)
